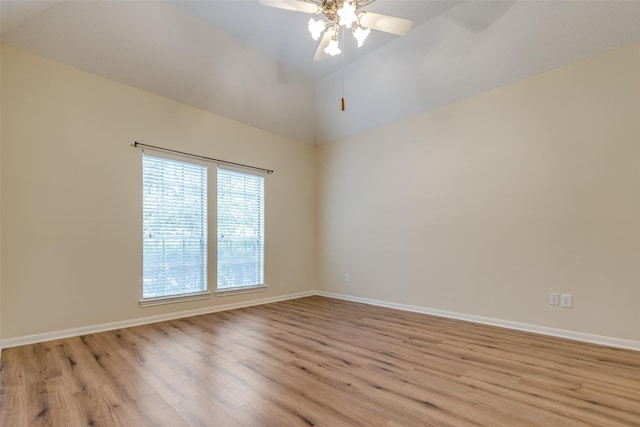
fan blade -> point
(386, 23)
(324, 42)
(298, 6)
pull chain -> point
(344, 53)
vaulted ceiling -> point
(255, 64)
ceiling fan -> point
(341, 14)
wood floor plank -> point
(318, 362)
(266, 414)
(201, 411)
(157, 413)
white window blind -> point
(174, 227)
(240, 230)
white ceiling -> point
(283, 34)
(255, 64)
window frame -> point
(241, 289)
(211, 240)
(190, 296)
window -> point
(240, 230)
(174, 228)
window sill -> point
(150, 302)
(237, 291)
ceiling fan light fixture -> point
(316, 28)
(339, 15)
(361, 35)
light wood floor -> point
(319, 362)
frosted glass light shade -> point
(316, 28)
(333, 49)
(347, 14)
(361, 35)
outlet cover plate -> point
(566, 300)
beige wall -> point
(487, 205)
(71, 195)
(1, 127)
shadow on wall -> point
(477, 16)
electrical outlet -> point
(566, 300)
(554, 299)
(347, 277)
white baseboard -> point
(578, 336)
(562, 333)
(49, 336)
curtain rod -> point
(210, 159)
